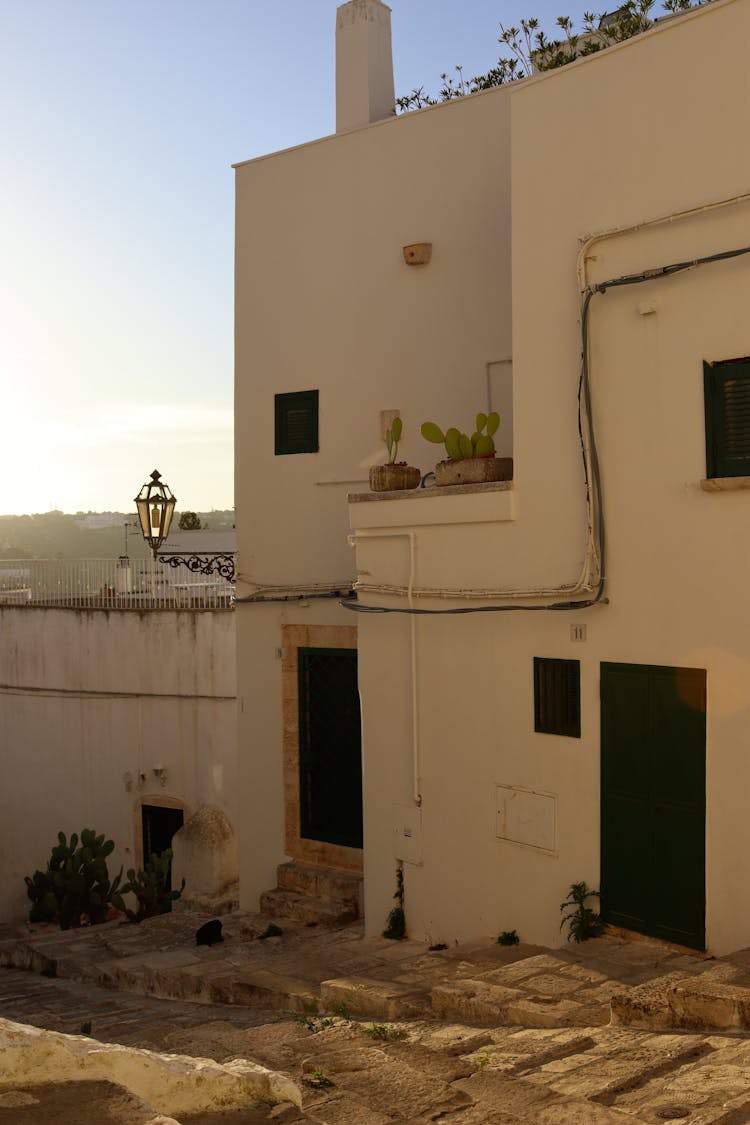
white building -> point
(117, 713)
(563, 729)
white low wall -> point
(91, 702)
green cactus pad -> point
(432, 432)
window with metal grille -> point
(726, 386)
(296, 422)
(557, 696)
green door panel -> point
(653, 758)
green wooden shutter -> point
(296, 422)
(557, 696)
(727, 401)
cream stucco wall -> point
(634, 133)
(662, 140)
(324, 300)
(91, 699)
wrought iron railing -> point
(111, 584)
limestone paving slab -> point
(604, 1073)
(366, 997)
(559, 1063)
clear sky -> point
(119, 120)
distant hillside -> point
(85, 535)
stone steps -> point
(685, 1002)
(304, 908)
(320, 895)
(320, 882)
(630, 1075)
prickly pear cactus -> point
(75, 888)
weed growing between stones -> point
(384, 1033)
(318, 1080)
(271, 930)
(310, 1020)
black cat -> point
(209, 933)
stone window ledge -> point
(725, 484)
(452, 504)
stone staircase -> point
(314, 895)
(713, 996)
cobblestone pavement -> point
(389, 1032)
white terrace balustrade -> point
(110, 584)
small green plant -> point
(318, 1080)
(271, 930)
(460, 446)
(310, 1020)
(584, 922)
(384, 1033)
(342, 1010)
(392, 438)
(508, 937)
(305, 1018)
(75, 888)
(395, 927)
(150, 885)
(483, 1061)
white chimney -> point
(364, 64)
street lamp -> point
(155, 504)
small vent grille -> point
(727, 398)
(557, 696)
(296, 422)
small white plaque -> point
(527, 817)
(408, 833)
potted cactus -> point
(470, 460)
(394, 475)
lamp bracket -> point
(213, 562)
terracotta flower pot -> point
(474, 470)
(391, 478)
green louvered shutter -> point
(557, 696)
(727, 400)
(296, 422)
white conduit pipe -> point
(672, 217)
(416, 756)
(585, 584)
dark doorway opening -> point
(330, 746)
(159, 826)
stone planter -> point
(392, 478)
(474, 470)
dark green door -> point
(654, 800)
(330, 750)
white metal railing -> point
(110, 584)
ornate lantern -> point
(155, 504)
